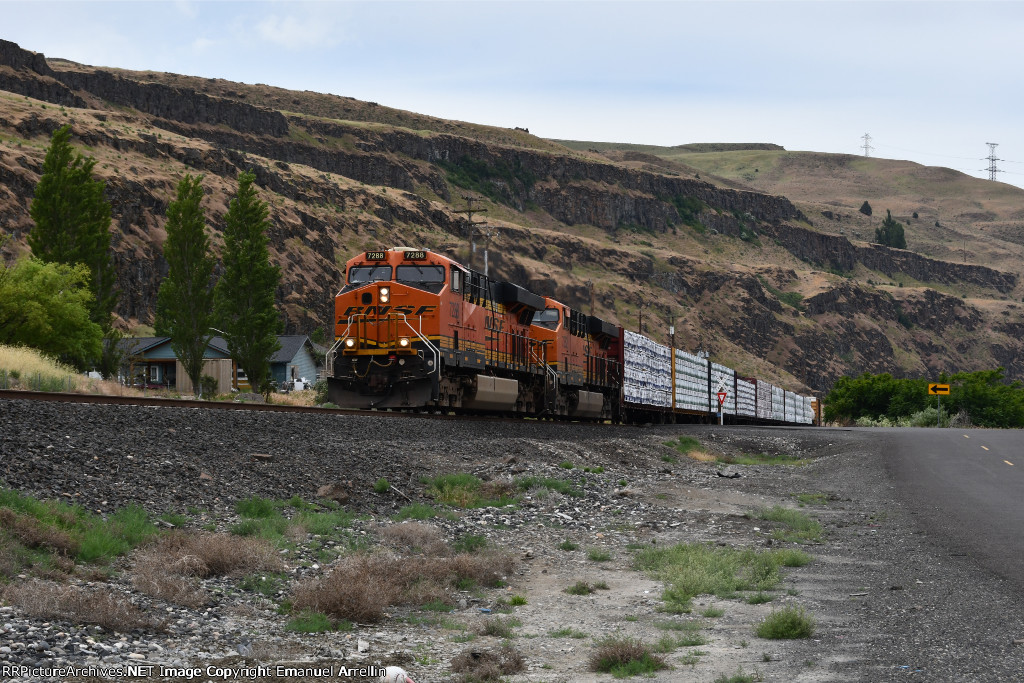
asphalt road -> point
(966, 488)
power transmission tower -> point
(867, 144)
(992, 169)
(469, 211)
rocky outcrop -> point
(835, 251)
(175, 104)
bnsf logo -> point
(384, 310)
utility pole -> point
(487, 232)
(640, 316)
(469, 211)
(867, 144)
(672, 330)
(590, 287)
(992, 168)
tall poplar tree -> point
(72, 226)
(184, 304)
(245, 306)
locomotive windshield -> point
(361, 275)
(546, 318)
(427, 277)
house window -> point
(154, 373)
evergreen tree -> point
(184, 304)
(72, 225)
(891, 232)
(865, 208)
(245, 293)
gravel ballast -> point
(890, 603)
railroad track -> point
(61, 397)
(188, 403)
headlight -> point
(385, 294)
(350, 343)
(403, 342)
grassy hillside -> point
(979, 221)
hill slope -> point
(767, 285)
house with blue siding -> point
(297, 359)
(151, 362)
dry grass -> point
(702, 456)
(361, 587)
(488, 665)
(48, 600)
(32, 533)
(414, 537)
(28, 363)
(177, 583)
(206, 554)
(171, 568)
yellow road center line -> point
(985, 447)
(1008, 463)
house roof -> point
(290, 346)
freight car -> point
(416, 330)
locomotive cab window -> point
(361, 275)
(427, 277)
(456, 279)
(547, 318)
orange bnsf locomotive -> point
(417, 330)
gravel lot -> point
(890, 602)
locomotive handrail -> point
(543, 363)
(419, 335)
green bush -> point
(787, 623)
(882, 400)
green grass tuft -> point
(799, 527)
(787, 623)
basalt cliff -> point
(768, 285)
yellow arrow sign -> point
(938, 389)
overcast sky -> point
(929, 81)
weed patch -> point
(536, 485)
(467, 491)
(625, 657)
(786, 623)
(695, 569)
(799, 528)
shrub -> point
(624, 657)
(488, 665)
(786, 623)
(382, 486)
(598, 555)
(362, 586)
(568, 545)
